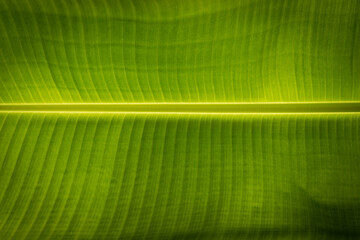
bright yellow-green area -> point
(189, 108)
(119, 176)
(179, 51)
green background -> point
(187, 175)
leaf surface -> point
(179, 119)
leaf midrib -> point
(230, 107)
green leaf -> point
(179, 51)
(166, 176)
(179, 119)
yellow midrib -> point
(229, 107)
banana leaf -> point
(183, 119)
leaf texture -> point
(206, 119)
(179, 51)
(111, 176)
